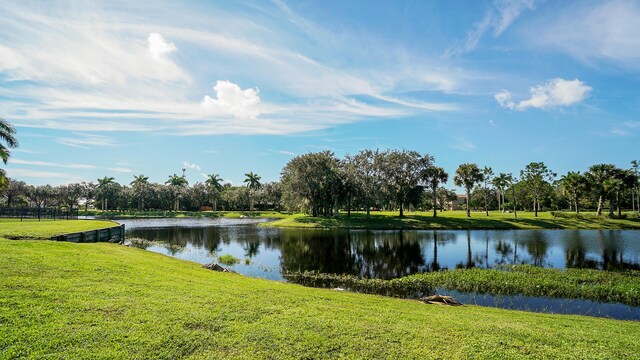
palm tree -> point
(176, 182)
(433, 176)
(7, 135)
(467, 175)
(500, 183)
(487, 177)
(635, 165)
(214, 182)
(596, 176)
(103, 189)
(575, 184)
(140, 184)
(253, 183)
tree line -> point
(322, 184)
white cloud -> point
(554, 93)
(499, 17)
(463, 144)
(38, 174)
(104, 69)
(231, 100)
(159, 47)
(83, 141)
(626, 128)
(189, 165)
(120, 169)
(50, 164)
(607, 31)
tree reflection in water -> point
(391, 254)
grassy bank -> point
(109, 301)
(525, 280)
(45, 229)
(456, 220)
(181, 214)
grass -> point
(455, 220)
(587, 284)
(108, 301)
(228, 260)
(45, 229)
(181, 214)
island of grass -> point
(457, 220)
(108, 301)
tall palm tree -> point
(176, 183)
(253, 183)
(467, 176)
(7, 136)
(140, 184)
(103, 189)
(500, 183)
(596, 176)
(214, 182)
(434, 176)
(487, 177)
(635, 167)
(575, 184)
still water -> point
(268, 252)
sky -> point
(121, 88)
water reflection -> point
(390, 254)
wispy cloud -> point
(606, 31)
(51, 164)
(498, 18)
(84, 141)
(462, 144)
(103, 69)
(120, 169)
(554, 93)
(626, 128)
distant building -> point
(459, 203)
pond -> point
(268, 252)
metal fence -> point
(38, 213)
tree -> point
(367, 176)
(575, 185)
(70, 195)
(433, 176)
(536, 177)
(467, 176)
(140, 185)
(105, 190)
(7, 136)
(214, 184)
(89, 193)
(176, 185)
(487, 177)
(401, 171)
(14, 191)
(512, 183)
(500, 183)
(253, 184)
(635, 167)
(306, 182)
(445, 196)
(596, 176)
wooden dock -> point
(113, 234)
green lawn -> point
(45, 229)
(110, 301)
(456, 220)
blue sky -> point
(122, 88)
